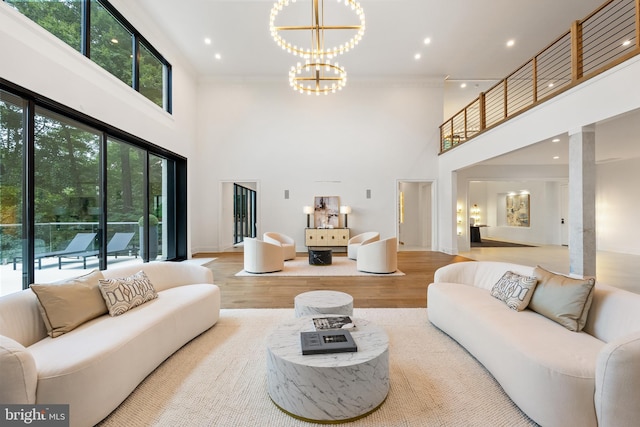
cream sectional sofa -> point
(556, 376)
(95, 366)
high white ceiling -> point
(468, 42)
(468, 37)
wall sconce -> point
(459, 220)
(475, 214)
(308, 210)
(346, 210)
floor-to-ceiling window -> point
(12, 156)
(76, 194)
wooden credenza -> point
(326, 236)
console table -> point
(326, 236)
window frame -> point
(138, 41)
(177, 189)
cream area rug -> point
(340, 266)
(219, 379)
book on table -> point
(333, 322)
(329, 341)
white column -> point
(582, 201)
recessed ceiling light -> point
(207, 40)
(463, 85)
(427, 40)
(114, 41)
(550, 85)
(417, 56)
(556, 157)
(626, 43)
(218, 56)
(555, 140)
(511, 43)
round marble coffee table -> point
(328, 388)
(323, 302)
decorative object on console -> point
(308, 210)
(345, 210)
(326, 211)
(475, 215)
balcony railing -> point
(607, 37)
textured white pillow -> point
(123, 294)
(515, 290)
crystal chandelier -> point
(318, 74)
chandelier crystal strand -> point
(318, 75)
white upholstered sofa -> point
(558, 377)
(95, 366)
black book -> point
(331, 341)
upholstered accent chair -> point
(356, 241)
(262, 257)
(378, 257)
(287, 243)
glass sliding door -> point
(67, 192)
(158, 206)
(244, 213)
(12, 155)
(125, 201)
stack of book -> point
(331, 336)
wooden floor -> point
(377, 291)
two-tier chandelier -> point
(317, 74)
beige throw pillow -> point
(562, 299)
(515, 290)
(123, 294)
(68, 304)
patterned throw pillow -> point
(515, 290)
(125, 293)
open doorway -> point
(415, 215)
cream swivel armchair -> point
(287, 243)
(262, 257)
(356, 241)
(378, 257)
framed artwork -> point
(518, 210)
(326, 210)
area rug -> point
(219, 379)
(340, 266)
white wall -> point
(368, 136)
(618, 206)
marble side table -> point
(328, 388)
(323, 302)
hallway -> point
(615, 269)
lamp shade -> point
(308, 210)
(345, 209)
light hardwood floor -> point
(619, 270)
(378, 291)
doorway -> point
(415, 215)
(238, 213)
